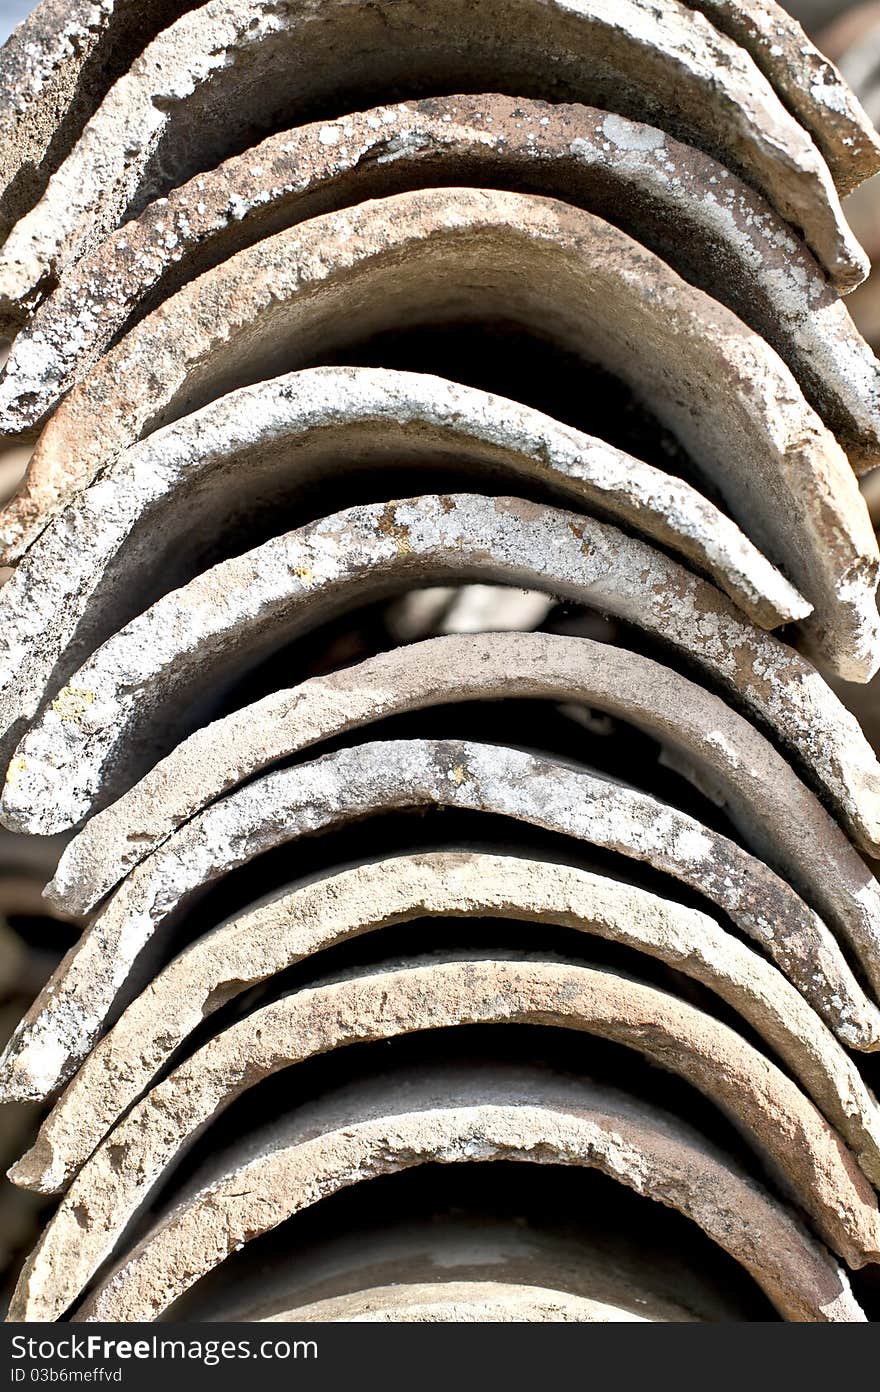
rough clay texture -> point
(439, 1119)
(708, 225)
(769, 1108)
(711, 745)
(206, 84)
(184, 240)
(466, 254)
(88, 746)
(461, 1302)
(70, 1013)
(133, 532)
(714, 747)
(265, 940)
(806, 81)
(783, 1127)
(54, 70)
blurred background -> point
(11, 11)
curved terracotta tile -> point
(781, 1125)
(260, 942)
(207, 84)
(712, 228)
(80, 754)
(714, 383)
(364, 1132)
(149, 519)
(73, 1009)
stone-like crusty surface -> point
(713, 229)
(54, 70)
(146, 523)
(448, 1117)
(465, 253)
(93, 741)
(460, 1302)
(783, 1127)
(730, 761)
(260, 942)
(807, 82)
(207, 85)
(72, 1010)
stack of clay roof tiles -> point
(442, 530)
